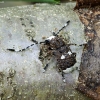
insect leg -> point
(89, 45)
(46, 64)
(63, 77)
(45, 68)
(85, 44)
(72, 44)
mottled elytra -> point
(57, 48)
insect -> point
(56, 47)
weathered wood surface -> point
(89, 77)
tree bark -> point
(89, 76)
(86, 3)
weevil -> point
(56, 47)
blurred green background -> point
(11, 3)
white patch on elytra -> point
(62, 57)
(51, 37)
(69, 52)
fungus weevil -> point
(56, 47)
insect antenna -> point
(42, 42)
(21, 49)
(13, 50)
(67, 23)
(55, 34)
(36, 42)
